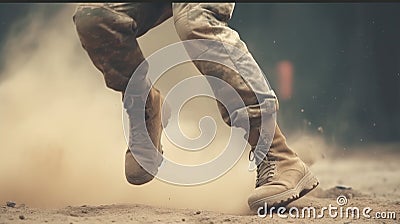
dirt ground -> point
(134, 213)
(372, 180)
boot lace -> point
(265, 170)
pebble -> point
(10, 204)
(343, 187)
(22, 217)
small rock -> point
(22, 217)
(227, 220)
(197, 213)
(10, 204)
(84, 211)
(183, 220)
(343, 187)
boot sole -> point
(305, 185)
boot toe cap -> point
(139, 179)
(135, 174)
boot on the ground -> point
(144, 149)
(282, 176)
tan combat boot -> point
(145, 150)
(281, 177)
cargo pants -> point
(109, 32)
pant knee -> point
(110, 41)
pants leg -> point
(209, 21)
(108, 33)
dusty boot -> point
(281, 177)
(138, 142)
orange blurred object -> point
(285, 79)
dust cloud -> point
(62, 141)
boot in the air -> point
(145, 149)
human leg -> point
(108, 33)
(208, 21)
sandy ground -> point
(133, 213)
(373, 181)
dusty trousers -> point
(109, 32)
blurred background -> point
(335, 68)
(344, 65)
